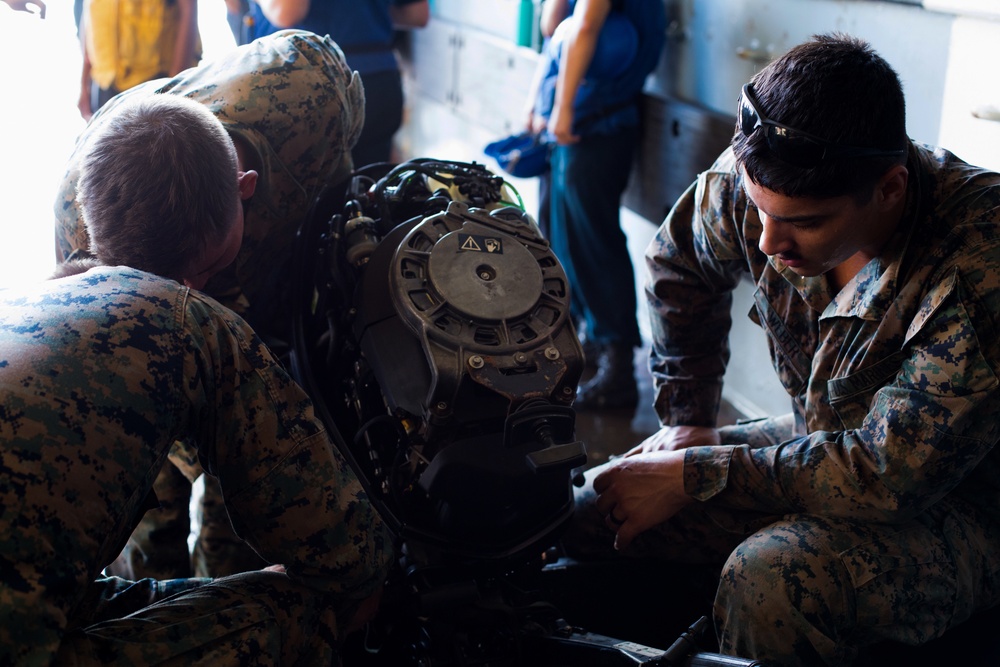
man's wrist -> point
(706, 470)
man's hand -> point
(638, 492)
(366, 612)
(561, 125)
(83, 104)
(536, 124)
(670, 438)
(24, 6)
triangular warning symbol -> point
(470, 244)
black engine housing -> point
(435, 329)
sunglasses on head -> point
(795, 146)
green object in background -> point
(528, 31)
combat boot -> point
(613, 385)
(591, 350)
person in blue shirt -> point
(364, 30)
(598, 60)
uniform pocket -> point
(851, 396)
(905, 582)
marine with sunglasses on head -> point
(872, 511)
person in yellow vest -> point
(128, 42)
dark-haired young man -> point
(872, 511)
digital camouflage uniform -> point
(99, 374)
(292, 97)
(872, 512)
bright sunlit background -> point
(39, 122)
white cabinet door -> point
(494, 78)
(970, 118)
(434, 60)
(716, 46)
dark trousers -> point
(100, 96)
(383, 116)
(587, 182)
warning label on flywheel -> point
(478, 243)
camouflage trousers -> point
(158, 547)
(255, 618)
(803, 589)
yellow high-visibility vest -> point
(131, 41)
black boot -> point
(591, 350)
(613, 385)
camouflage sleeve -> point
(693, 263)
(288, 491)
(99, 373)
(761, 432)
(922, 435)
(297, 107)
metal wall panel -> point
(679, 140)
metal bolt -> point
(551, 353)
(520, 357)
(441, 406)
(476, 361)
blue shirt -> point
(606, 104)
(361, 28)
